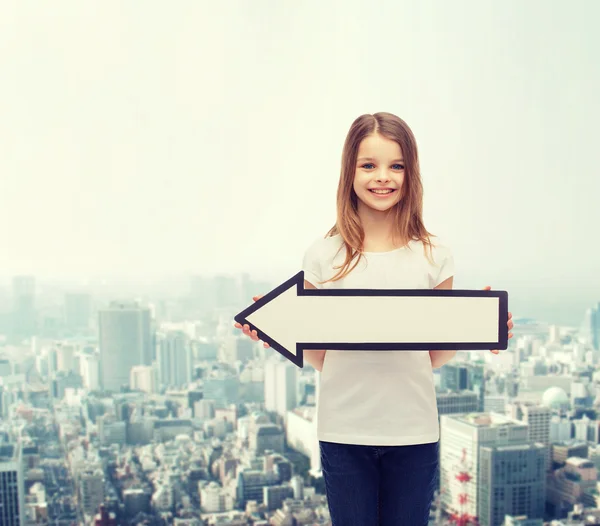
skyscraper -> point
(590, 328)
(125, 341)
(174, 358)
(461, 437)
(512, 481)
(12, 486)
(281, 384)
(537, 418)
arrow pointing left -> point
(291, 318)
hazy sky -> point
(153, 137)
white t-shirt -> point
(378, 397)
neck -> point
(378, 226)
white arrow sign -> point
(291, 318)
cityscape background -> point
(163, 165)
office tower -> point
(590, 328)
(537, 418)
(174, 359)
(24, 315)
(91, 489)
(125, 337)
(89, 367)
(457, 376)
(12, 486)
(78, 311)
(281, 385)
(461, 437)
(512, 481)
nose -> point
(382, 177)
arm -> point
(439, 358)
(313, 357)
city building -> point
(461, 437)
(281, 386)
(12, 485)
(460, 376)
(511, 481)
(173, 359)
(125, 340)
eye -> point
(400, 165)
(366, 165)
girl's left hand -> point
(509, 323)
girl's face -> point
(379, 173)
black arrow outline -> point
(298, 281)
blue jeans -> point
(379, 485)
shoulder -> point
(324, 247)
(441, 250)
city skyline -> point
(161, 164)
(148, 154)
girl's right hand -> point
(246, 328)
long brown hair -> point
(409, 210)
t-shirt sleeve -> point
(311, 264)
(444, 257)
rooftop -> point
(487, 420)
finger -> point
(487, 288)
(254, 336)
(510, 315)
(237, 325)
(266, 345)
(495, 351)
(510, 334)
(510, 325)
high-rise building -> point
(125, 341)
(460, 376)
(512, 481)
(590, 328)
(24, 321)
(461, 437)
(281, 386)
(537, 417)
(174, 359)
(12, 486)
(89, 368)
(91, 490)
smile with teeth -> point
(381, 191)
